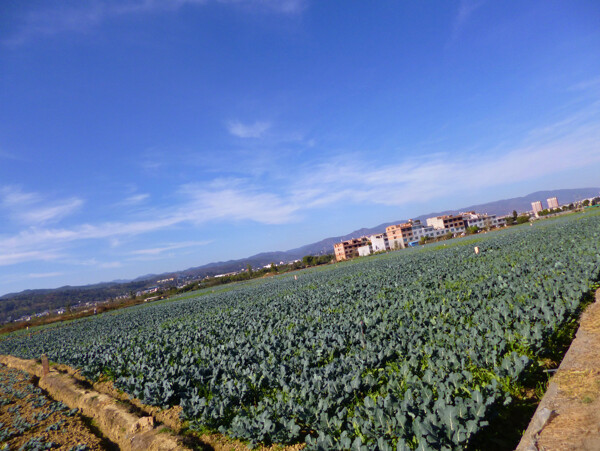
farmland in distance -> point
(414, 349)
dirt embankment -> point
(116, 421)
(568, 417)
(31, 420)
(125, 421)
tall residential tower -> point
(536, 207)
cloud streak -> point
(466, 8)
(44, 215)
(14, 196)
(9, 156)
(8, 257)
(32, 209)
(43, 275)
(82, 17)
(169, 247)
(254, 130)
(426, 178)
(134, 199)
(243, 201)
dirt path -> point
(569, 414)
(29, 419)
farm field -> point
(413, 349)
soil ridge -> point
(568, 416)
(128, 430)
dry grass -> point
(584, 384)
(591, 324)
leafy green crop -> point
(407, 350)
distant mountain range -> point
(30, 301)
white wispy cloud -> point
(429, 177)
(570, 143)
(30, 276)
(277, 6)
(82, 17)
(32, 208)
(134, 199)
(8, 156)
(13, 257)
(35, 236)
(169, 247)
(254, 130)
(466, 8)
(90, 262)
(200, 204)
(43, 275)
(241, 201)
(42, 215)
(14, 196)
(108, 265)
(585, 85)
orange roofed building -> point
(349, 248)
(400, 234)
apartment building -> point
(400, 234)
(365, 250)
(427, 231)
(449, 223)
(536, 207)
(483, 221)
(552, 203)
(375, 243)
(349, 248)
(380, 242)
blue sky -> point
(143, 136)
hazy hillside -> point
(506, 206)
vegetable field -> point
(409, 350)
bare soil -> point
(32, 420)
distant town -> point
(413, 233)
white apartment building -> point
(379, 242)
(376, 243)
(536, 207)
(365, 250)
(483, 221)
(400, 235)
(552, 203)
(429, 231)
(448, 223)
